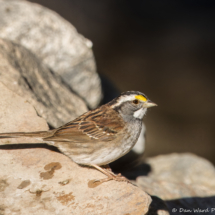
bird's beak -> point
(149, 104)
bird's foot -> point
(118, 177)
(110, 174)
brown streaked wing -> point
(101, 124)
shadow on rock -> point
(28, 146)
(157, 207)
(131, 166)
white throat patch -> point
(140, 113)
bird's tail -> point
(37, 134)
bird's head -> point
(132, 104)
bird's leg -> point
(103, 170)
(107, 167)
(110, 174)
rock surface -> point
(54, 41)
(39, 181)
(183, 181)
(24, 74)
(17, 115)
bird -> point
(99, 136)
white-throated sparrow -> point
(99, 136)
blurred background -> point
(165, 49)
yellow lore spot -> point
(141, 98)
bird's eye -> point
(135, 102)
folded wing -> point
(101, 124)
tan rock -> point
(40, 181)
(17, 115)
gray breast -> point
(120, 147)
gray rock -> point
(24, 74)
(56, 42)
(40, 181)
(184, 181)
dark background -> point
(165, 49)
